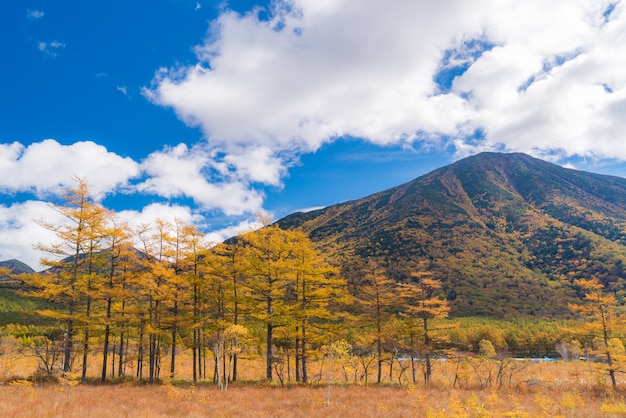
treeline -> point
(137, 297)
(140, 296)
(136, 294)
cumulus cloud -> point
(165, 212)
(181, 171)
(215, 181)
(540, 77)
(256, 164)
(49, 167)
(19, 232)
(145, 220)
(526, 76)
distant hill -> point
(16, 308)
(15, 267)
(507, 234)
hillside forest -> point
(134, 300)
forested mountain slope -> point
(508, 234)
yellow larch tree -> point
(157, 271)
(121, 260)
(71, 266)
(318, 287)
(422, 302)
(377, 299)
(223, 284)
(269, 274)
(603, 324)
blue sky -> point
(213, 111)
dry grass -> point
(537, 390)
(345, 401)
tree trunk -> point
(303, 354)
(235, 321)
(86, 340)
(195, 355)
(268, 354)
(297, 357)
(105, 349)
(174, 330)
(120, 355)
(609, 361)
(269, 341)
(379, 352)
(67, 340)
(195, 344)
(140, 351)
(428, 371)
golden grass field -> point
(345, 401)
(557, 389)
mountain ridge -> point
(519, 228)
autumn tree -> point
(603, 324)
(121, 260)
(229, 342)
(70, 272)
(193, 267)
(317, 287)
(422, 302)
(177, 300)
(292, 283)
(226, 267)
(156, 273)
(268, 254)
(378, 300)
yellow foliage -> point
(613, 409)
(20, 383)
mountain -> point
(15, 267)
(507, 234)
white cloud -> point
(223, 234)
(198, 173)
(533, 76)
(311, 209)
(213, 180)
(19, 232)
(50, 48)
(256, 164)
(35, 14)
(150, 213)
(123, 90)
(552, 81)
(49, 167)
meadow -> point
(542, 389)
